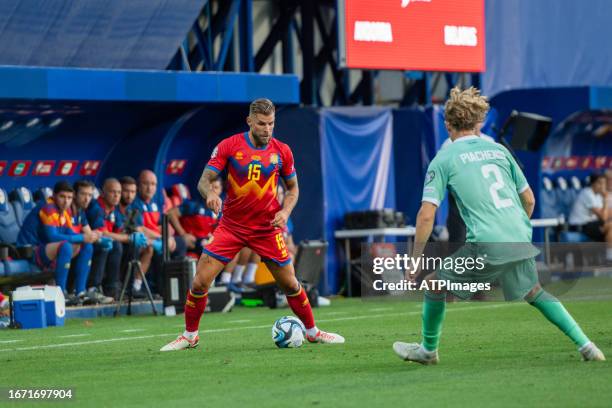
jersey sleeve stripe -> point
(522, 189)
(213, 168)
(431, 200)
(290, 176)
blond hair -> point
(263, 106)
(465, 109)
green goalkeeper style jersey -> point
(486, 182)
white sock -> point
(249, 275)
(226, 277)
(312, 331)
(237, 274)
(190, 335)
(137, 285)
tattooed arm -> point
(205, 188)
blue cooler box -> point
(29, 308)
(55, 304)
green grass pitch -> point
(492, 354)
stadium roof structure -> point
(89, 84)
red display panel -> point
(43, 168)
(20, 168)
(176, 167)
(90, 168)
(66, 168)
(419, 35)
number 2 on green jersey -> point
(497, 185)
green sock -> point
(554, 311)
(434, 308)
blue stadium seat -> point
(42, 195)
(96, 193)
(548, 200)
(23, 203)
(571, 236)
(19, 267)
(2, 269)
(565, 197)
(9, 229)
(576, 183)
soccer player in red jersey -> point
(252, 217)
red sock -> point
(194, 309)
(301, 307)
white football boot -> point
(415, 352)
(325, 338)
(181, 343)
(590, 352)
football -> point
(288, 332)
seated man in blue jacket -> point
(48, 229)
(105, 216)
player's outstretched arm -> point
(528, 201)
(205, 188)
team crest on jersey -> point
(239, 156)
(214, 152)
(274, 158)
(430, 176)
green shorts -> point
(517, 278)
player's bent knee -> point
(533, 292)
(65, 250)
(289, 288)
(199, 284)
(432, 277)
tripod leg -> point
(146, 284)
(128, 275)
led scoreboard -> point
(419, 35)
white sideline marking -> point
(335, 313)
(240, 321)
(9, 341)
(74, 335)
(380, 309)
(131, 330)
(265, 326)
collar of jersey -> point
(246, 137)
(464, 138)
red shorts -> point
(269, 245)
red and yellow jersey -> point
(252, 180)
(46, 224)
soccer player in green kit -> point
(496, 203)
